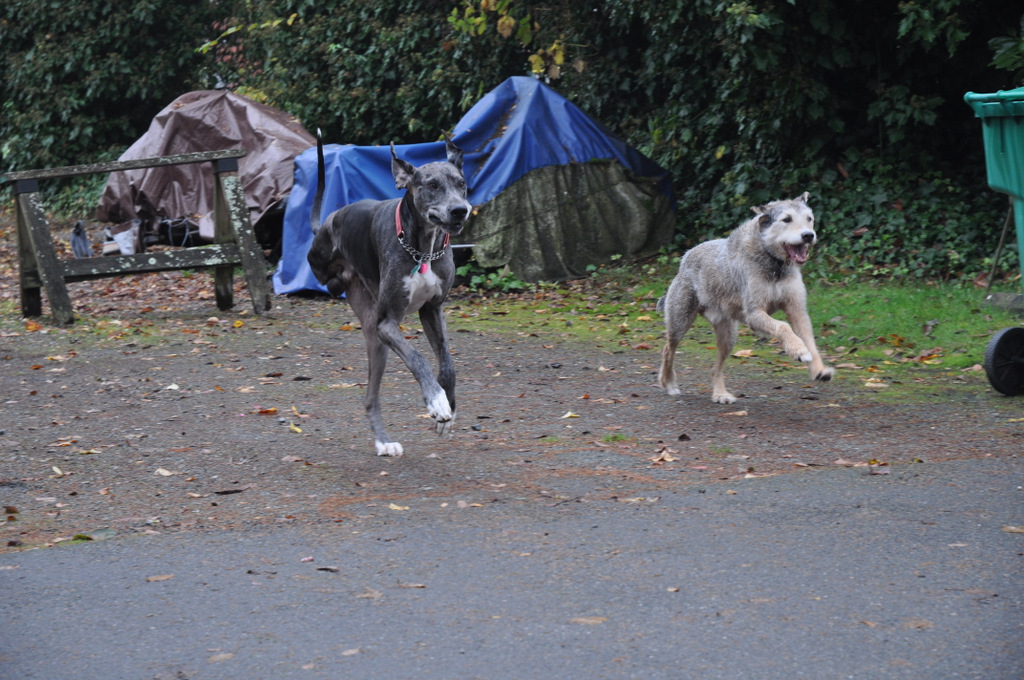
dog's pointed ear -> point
(400, 170)
(804, 197)
(453, 152)
(763, 216)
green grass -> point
(897, 330)
(615, 438)
(895, 324)
(893, 330)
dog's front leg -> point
(725, 340)
(377, 353)
(377, 356)
(437, 333)
(801, 323)
(762, 323)
(433, 395)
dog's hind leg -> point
(680, 308)
(437, 333)
(725, 339)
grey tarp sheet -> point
(209, 120)
(555, 221)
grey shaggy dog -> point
(746, 277)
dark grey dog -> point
(392, 258)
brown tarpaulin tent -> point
(209, 120)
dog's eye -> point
(432, 185)
(787, 219)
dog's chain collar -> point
(417, 255)
(422, 259)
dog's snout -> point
(807, 236)
(459, 214)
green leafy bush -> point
(80, 81)
(745, 101)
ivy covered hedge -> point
(80, 81)
(745, 101)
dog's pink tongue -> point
(798, 253)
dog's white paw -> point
(802, 355)
(393, 449)
(798, 350)
(443, 427)
(439, 408)
(668, 382)
(723, 398)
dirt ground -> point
(177, 417)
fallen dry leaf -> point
(918, 623)
(370, 594)
(665, 456)
(589, 620)
(392, 506)
(735, 413)
(161, 577)
(1010, 529)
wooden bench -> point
(234, 242)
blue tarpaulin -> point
(519, 127)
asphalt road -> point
(838, 573)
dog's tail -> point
(318, 197)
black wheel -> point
(1004, 361)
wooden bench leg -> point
(232, 219)
(28, 273)
(36, 254)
